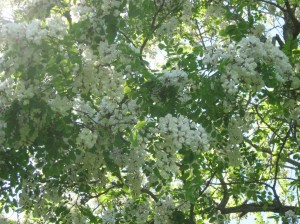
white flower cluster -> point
(242, 61)
(168, 27)
(93, 161)
(35, 118)
(132, 161)
(22, 91)
(233, 155)
(2, 133)
(107, 52)
(291, 216)
(33, 31)
(293, 107)
(162, 211)
(297, 13)
(214, 11)
(179, 131)
(74, 217)
(258, 30)
(117, 117)
(109, 217)
(109, 113)
(80, 11)
(97, 75)
(235, 129)
(25, 91)
(39, 8)
(61, 105)
(57, 26)
(213, 17)
(83, 109)
(176, 78)
(7, 93)
(295, 82)
(187, 11)
(86, 80)
(109, 5)
(166, 161)
(86, 138)
(136, 212)
(16, 32)
(176, 132)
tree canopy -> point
(150, 111)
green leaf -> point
(212, 219)
(111, 29)
(161, 46)
(6, 209)
(139, 125)
(133, 11)
(133, 138)
(127, 90)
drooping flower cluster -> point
(180, 131)
(97, 76)
(33, 31)
(132, 161)
(168, 28)
(176, 133)
(39, 8)
(176, 78)
(291, 216)
(163, 211)
(258, 30)
(61, 105)
(109, 217)
(243, 63)
(16, 32)
(87, 138)
(80, 11)
(57, 26)
(110, 5)
(136, 213)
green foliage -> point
(149, 111)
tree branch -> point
(127, 38)
(263, 121)
(191, 218)
(261, 207)
(274, 4)
(150, 193)
(291, 13)
(225, 198)
(200, 33)
(268, 151)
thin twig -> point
(278, 156)
(153, 28)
